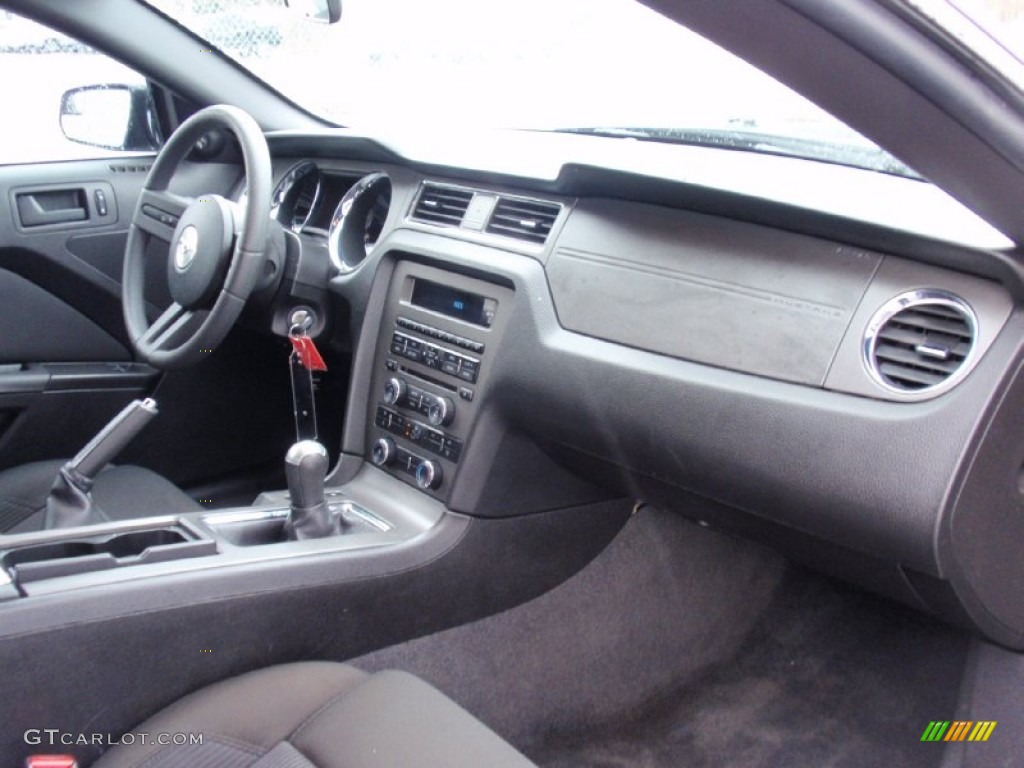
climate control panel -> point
(426, 473)
(439, 409)
(419, 434)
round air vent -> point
(921, 341)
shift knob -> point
(305, 466)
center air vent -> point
(920, 341)
(529, 220)
(442, 205)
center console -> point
(438, 338)
(434, 354)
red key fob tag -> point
(51, 761)
(307, 353)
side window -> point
(66, 101)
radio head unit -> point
(435, 347)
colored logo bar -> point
(958, 730)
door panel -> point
(77, 262)
(65, 358)
(36, 326)
(66, 364)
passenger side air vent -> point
(920, 342)
(442, 205)
(523, 219)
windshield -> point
(607, 67)
(992, 29)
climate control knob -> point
(441, 412)
(428, 475)
(383, 452)
(394, 390)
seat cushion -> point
(318, 714)
(122, 493)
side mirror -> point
(323, 11)
(118, 117)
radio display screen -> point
(462, 305)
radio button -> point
(434, 441)
(414, 398)
(451, 449)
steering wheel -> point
(215, 247)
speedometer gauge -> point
(296, 196)
(358, 221)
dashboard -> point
(841, 392)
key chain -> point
(304, 359)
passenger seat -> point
(316, 715)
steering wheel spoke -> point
(169, 331)
(158, 212)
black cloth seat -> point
(122, 493)
(317, 715)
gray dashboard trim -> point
(870, 475)
(707, 289)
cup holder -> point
(256, 527)
(252, 533)
(101, 552)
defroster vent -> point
(439, 204)
(920, 341)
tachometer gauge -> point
(358, 221)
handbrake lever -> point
(70, 500)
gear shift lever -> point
(305, 466)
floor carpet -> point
(679, 646)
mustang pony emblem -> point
(185, 252)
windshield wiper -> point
(865, 157)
